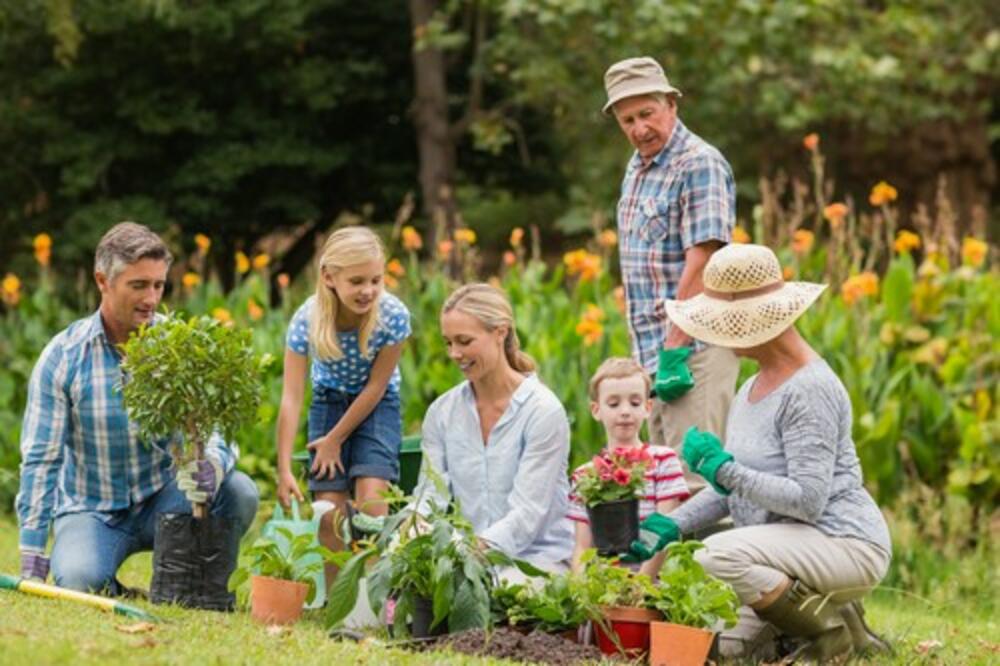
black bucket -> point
(423, 615)
(192, 562)
(614, 525)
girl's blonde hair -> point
(491, 308)
(345, 247)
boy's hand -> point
(673, 377)
(654, 534)
(704, 455)
(327, 457)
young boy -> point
(619, 398)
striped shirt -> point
(684, 196)
(664, 481)
(79, 452)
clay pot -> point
(614, 525)
(629, 631)
(677, 645)
(276, 601)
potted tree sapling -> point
(186, 381)
(610, 487)
(694, 604)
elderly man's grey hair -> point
(126, 243)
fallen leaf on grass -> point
(136, 628)
(923, 647)
(145, 642)
(277, 630)
(989, 647)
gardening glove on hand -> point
(654, 534)
(34, 564)
(673, 377)
(704, 455)
(366, 524)
(200, 480)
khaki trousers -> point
(757, 559)
(706, 405)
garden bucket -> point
(409, 463)
(423, 615)
(678, 645)
(629, 631)
(297, 525)
(192, 561)
(276, 601)
(614, 525)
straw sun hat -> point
(745, 302)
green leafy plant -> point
(291, 561)
(612, 475)
(554, 606)
(687, 595)
(605, 583)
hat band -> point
(742, 295)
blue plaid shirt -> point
(79, 452)
(684, 196)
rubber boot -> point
(865, 640)
(802, 613)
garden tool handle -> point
(295, 509)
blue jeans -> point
(90, 546)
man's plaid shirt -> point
(684, 196)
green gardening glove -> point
(673, 377)
(704, 455)
(654, 534)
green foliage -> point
(553, 606)
(605, 583)
(267, 557)
(195, 376)
(686, 595)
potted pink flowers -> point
(609, 486)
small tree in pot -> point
(610, 487)
(185, 381)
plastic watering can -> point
(296, 525)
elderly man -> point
(83, 469)
(677, 207)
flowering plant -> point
(612, 475)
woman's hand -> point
(327, 458)
(288, 487)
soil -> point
(504, 643)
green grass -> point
(42, 631)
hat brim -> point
(743, 323)
(645, 89)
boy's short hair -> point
(616, 367)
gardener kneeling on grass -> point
(83, 469)
(809, 539)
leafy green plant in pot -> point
(609, 486)
(184, 382)
(281, 575)
(554, 607)
(695, 606)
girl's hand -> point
(287, 487)
(327, 457)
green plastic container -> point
(409, 462)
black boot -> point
(802, 613)
(865, 640)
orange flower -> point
(395, 268)
(590, 330)
(516, 236)
(906, 241)
(284, 280)
(444, 249)
(390, 281)
(191, 280)
(261, 261)
(740, 235)
(465, 236)
(203, 242)
(619, 294)
(509, 258)
(593, 312)
(787, 273)
(222, 314)
(411, 239)
(811, 141)
(859, 286)
(10, 289)
(254, 311)
(242, 263)
(835, 214)
(43, 248)
(882, 194)
(582, 263)
(607, 239)
(974, 251)
(802, 241)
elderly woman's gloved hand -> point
(704, 455)
(655, 533)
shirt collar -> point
(678, 138)
(521, 393)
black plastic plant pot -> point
(423, 615)
(192, 561)
(614, 525)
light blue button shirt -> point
(513, 488)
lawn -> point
(41, 631)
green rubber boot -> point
(803, 613)
(865, 640)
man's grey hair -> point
(126, 243)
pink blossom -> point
(622, 476)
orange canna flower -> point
(811, 141)
(203, 242)
(10, 289)
(390, 281)
(222, 314)
(284, 280)
(261, 261)
(740, 235)
(242, 263)
(802, 241)
(835, 214)
(593, 312)
(395, 268)
(859, 286)
(411, 239)
(43, 256)
(42, 242)
(582, 263)
(906, 241)
(619, 294)
(974, 251)
(590, 330)
(516, 236)
(191, 280)
(465, 236)
(787, 273)
(607, 239)
(882, 194)
(444, 249)
(254, 311)
(509, 258)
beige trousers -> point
(757, 559)
(706, 405)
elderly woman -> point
(809, 540)
(500, 439)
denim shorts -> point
(372, 450)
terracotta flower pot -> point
(276, 601)
(677, 645)
(629, 631)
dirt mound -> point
(504, 643)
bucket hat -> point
(635, 76)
